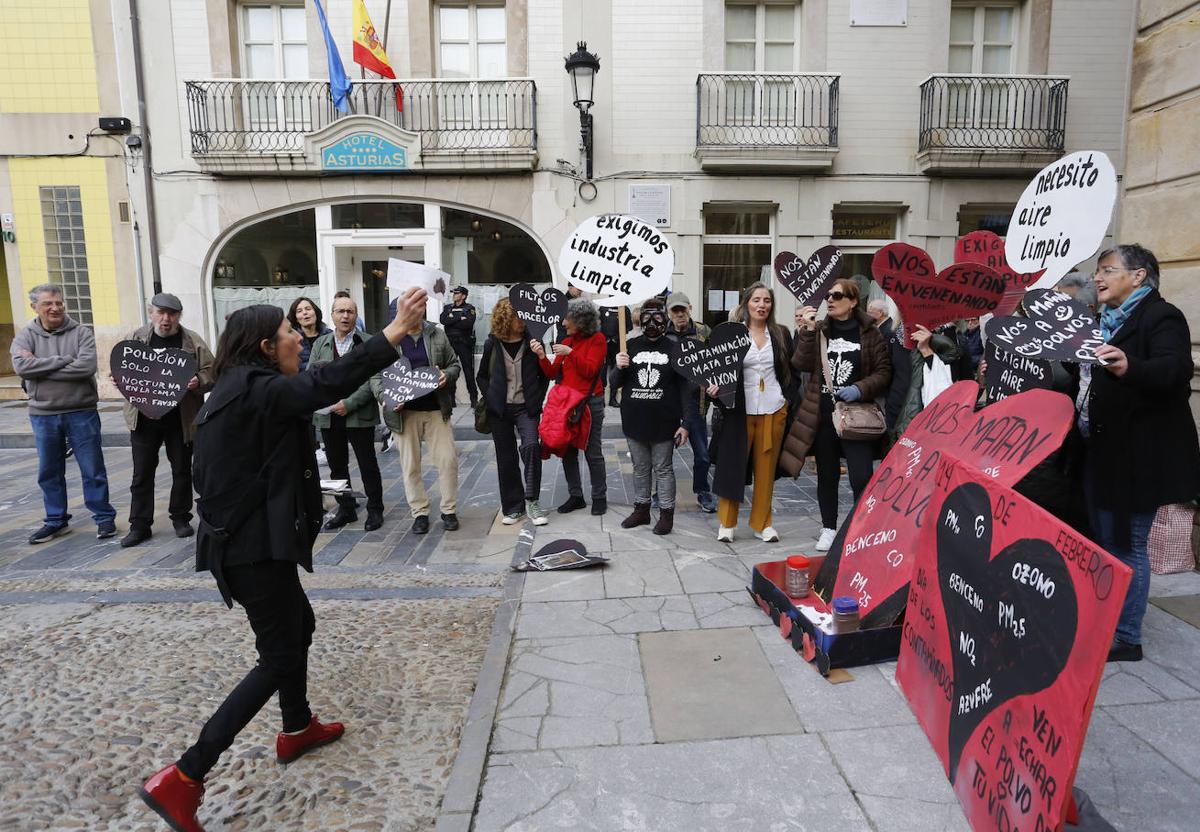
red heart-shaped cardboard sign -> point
(872, 556)
(987, 248)
(929, 298)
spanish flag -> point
(368, 50)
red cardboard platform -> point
(825, 650)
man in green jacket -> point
(427, 418)
(175, 429)
(351, 421)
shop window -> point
(987, 218)
(66, 248)
(379, 215)
(738, 246)
(273, 261)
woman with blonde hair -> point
(752, 430)
(513, 388)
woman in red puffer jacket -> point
(579, 369)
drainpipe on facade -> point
(148, 166)
(139, 271)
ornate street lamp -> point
(582, 66)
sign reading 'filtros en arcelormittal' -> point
(364, 151)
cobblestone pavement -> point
(113, 657)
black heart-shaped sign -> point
(1059, 328)
(153, 380)
(539, 312)
(401, 383)
(809, 281)
(719, 361)
(1011, 618)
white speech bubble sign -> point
(1062, 216)
(619, 257)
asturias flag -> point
(339, 83)
(368, 50)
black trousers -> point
(465, 351)
(517, 425)
(828, 450)
(283, 624)
(146, 439)
(336, 438)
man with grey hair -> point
(878, 311)
(56, 359)
(175, 430)
(1079, 286)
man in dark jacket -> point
(681, 327)
(1141, 437)
(459, 321)
(175, 429)
(56, 360)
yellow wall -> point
(46, 57)
(26, 176)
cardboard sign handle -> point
(621, 326)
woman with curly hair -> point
(513, 388)
(580, 366)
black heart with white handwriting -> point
(539, 312)
(1011, 618)
(153, 380)
(401, 383)
(1059, 328)
(719, 361)
(809, 281)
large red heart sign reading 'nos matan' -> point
(872, 556)
(987, 248)
(1007, 629)
(930, 298)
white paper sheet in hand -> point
(403, 274)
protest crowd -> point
(839, 388)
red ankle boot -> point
(289, 747)
(175, 799)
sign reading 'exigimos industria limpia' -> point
(618, 257)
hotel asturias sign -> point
(362, 144)
(364, 152)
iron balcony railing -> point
(273, 116)
(994, 112)
(761, 109)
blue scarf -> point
(1112, 320)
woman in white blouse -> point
(752, 430)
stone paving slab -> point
(712, 684)
(572, 692)
(715, 786)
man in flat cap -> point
(458, 318)
(175, 429)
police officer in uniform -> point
(458, 318)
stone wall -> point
(1162, 166)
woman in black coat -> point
(260, 510)
(751, 433)
(1142, 450)
(513, 389)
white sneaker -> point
(725, 534)
(536, 513)
(768, 535)
(512, 519)
(825, 541)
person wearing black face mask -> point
(653, 402)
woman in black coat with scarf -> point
(260, 510)
(1142, 450)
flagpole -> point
(387, 24)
